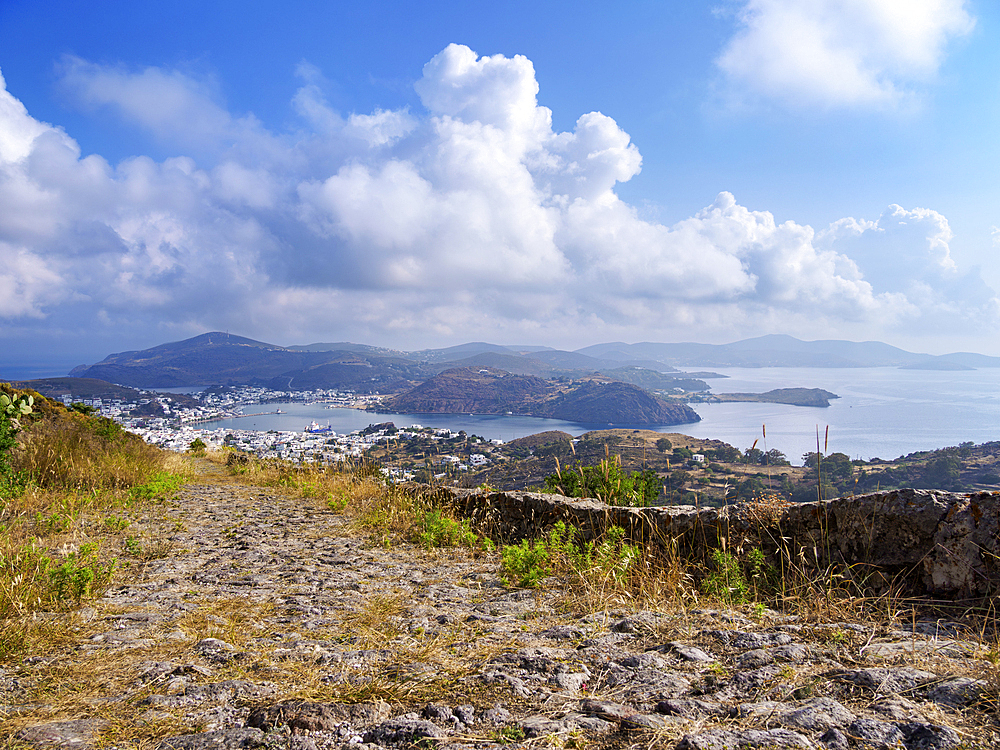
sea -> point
(882, 412)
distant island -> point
(937, 364)
(792, 396)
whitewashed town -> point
(174, 424)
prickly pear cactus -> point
(11, 410)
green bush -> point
(527, 563)
(736, 582)
(438, 530)
(76, 578)
(607, 482)
(12, 409)
(726, 581)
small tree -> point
(663, 445)
(197, 447)
(774, 457)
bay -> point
(882, 412)
(341, 420)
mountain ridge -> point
(223, 358)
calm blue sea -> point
(883, 412)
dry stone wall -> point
(933, 542)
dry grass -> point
(67, 685)
(86, 454)
(64, 520)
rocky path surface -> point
(271, 623)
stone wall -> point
(939, 543)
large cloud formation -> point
(833, 53)
(474, 219)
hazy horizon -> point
(422, 175)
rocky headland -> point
(486, 390)
(269, 621)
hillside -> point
(207, 359)
(470, 390)
(223, 359)
(611, 402)
(78, 388)
(653, 380)
(491, 391)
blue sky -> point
(422, 174)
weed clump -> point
(161, 485)
(606, 482)
(438, 530)
(736, 581)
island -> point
(792, 396)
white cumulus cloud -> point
(833, 53)
(473, 219)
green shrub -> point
(12, 409)
(438, 530)
(133, 546)
(116, 523)
(337, 501)
(560, 551)
(737, 582)
(726, 581)
(76, 578)
(525, 564)
(607, 482)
